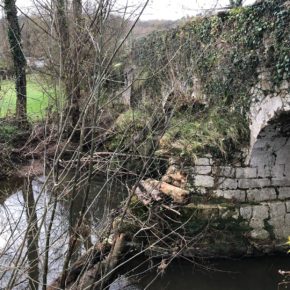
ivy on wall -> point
(223, 52)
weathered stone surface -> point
(262, 194)
(202, 161)
(204, 170)
(227, 183)
(264, 171)
(277, 209)
(287, 203)
(280, 182)
(259, 234)
(203, 181)
(224, 171)
(239, 195)
(284, 192)
(247, 172)
(246, 212)
(277, 220)
(260, 213)
(278, 171)
(253, 183)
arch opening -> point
(271, 151)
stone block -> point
(259, 234)
(278, 171)
(246, 212)
(260, 213)
(203, 181)
(278, 225)
(238, 195)
(264, 171)
(224, 171)
(262, 194)
(284, 192)
(227, 183)
(280, 182)
(203, 170)
(247, 172)
(218, 193)
(203, 161)
(253, 183)
(277, 209)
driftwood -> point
(151, 189)
(175, 177)
(95, 267)
(100, 273)
(85, 262)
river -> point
(253, 274)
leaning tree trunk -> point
(14, 36)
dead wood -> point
(153, 188)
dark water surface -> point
(245, 274)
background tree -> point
(14, 36)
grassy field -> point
(38, 97)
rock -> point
(239, 195)
(203, 162)
(203, 170)
(203, 181)
(227, 183)
(124, 283)
(262, 194)
(247, 172)
(284, 192)
(277, 219)
(246, 212)
(253, 183)
(260, 213)
(224, 171)
(259, 234)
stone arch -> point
(270, 153)
(264, 113)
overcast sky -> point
(167, 9)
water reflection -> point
(13, 223)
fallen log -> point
(83, 264)
(99, 274)
(153, 188)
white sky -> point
(166, 9)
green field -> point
(39, 96)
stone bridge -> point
(260, 183)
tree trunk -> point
(14, 36)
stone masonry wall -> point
(261, 184)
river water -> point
(245, 274)
(251, 274)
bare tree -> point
(14, 36)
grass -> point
(38, 97)
(215, 131)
